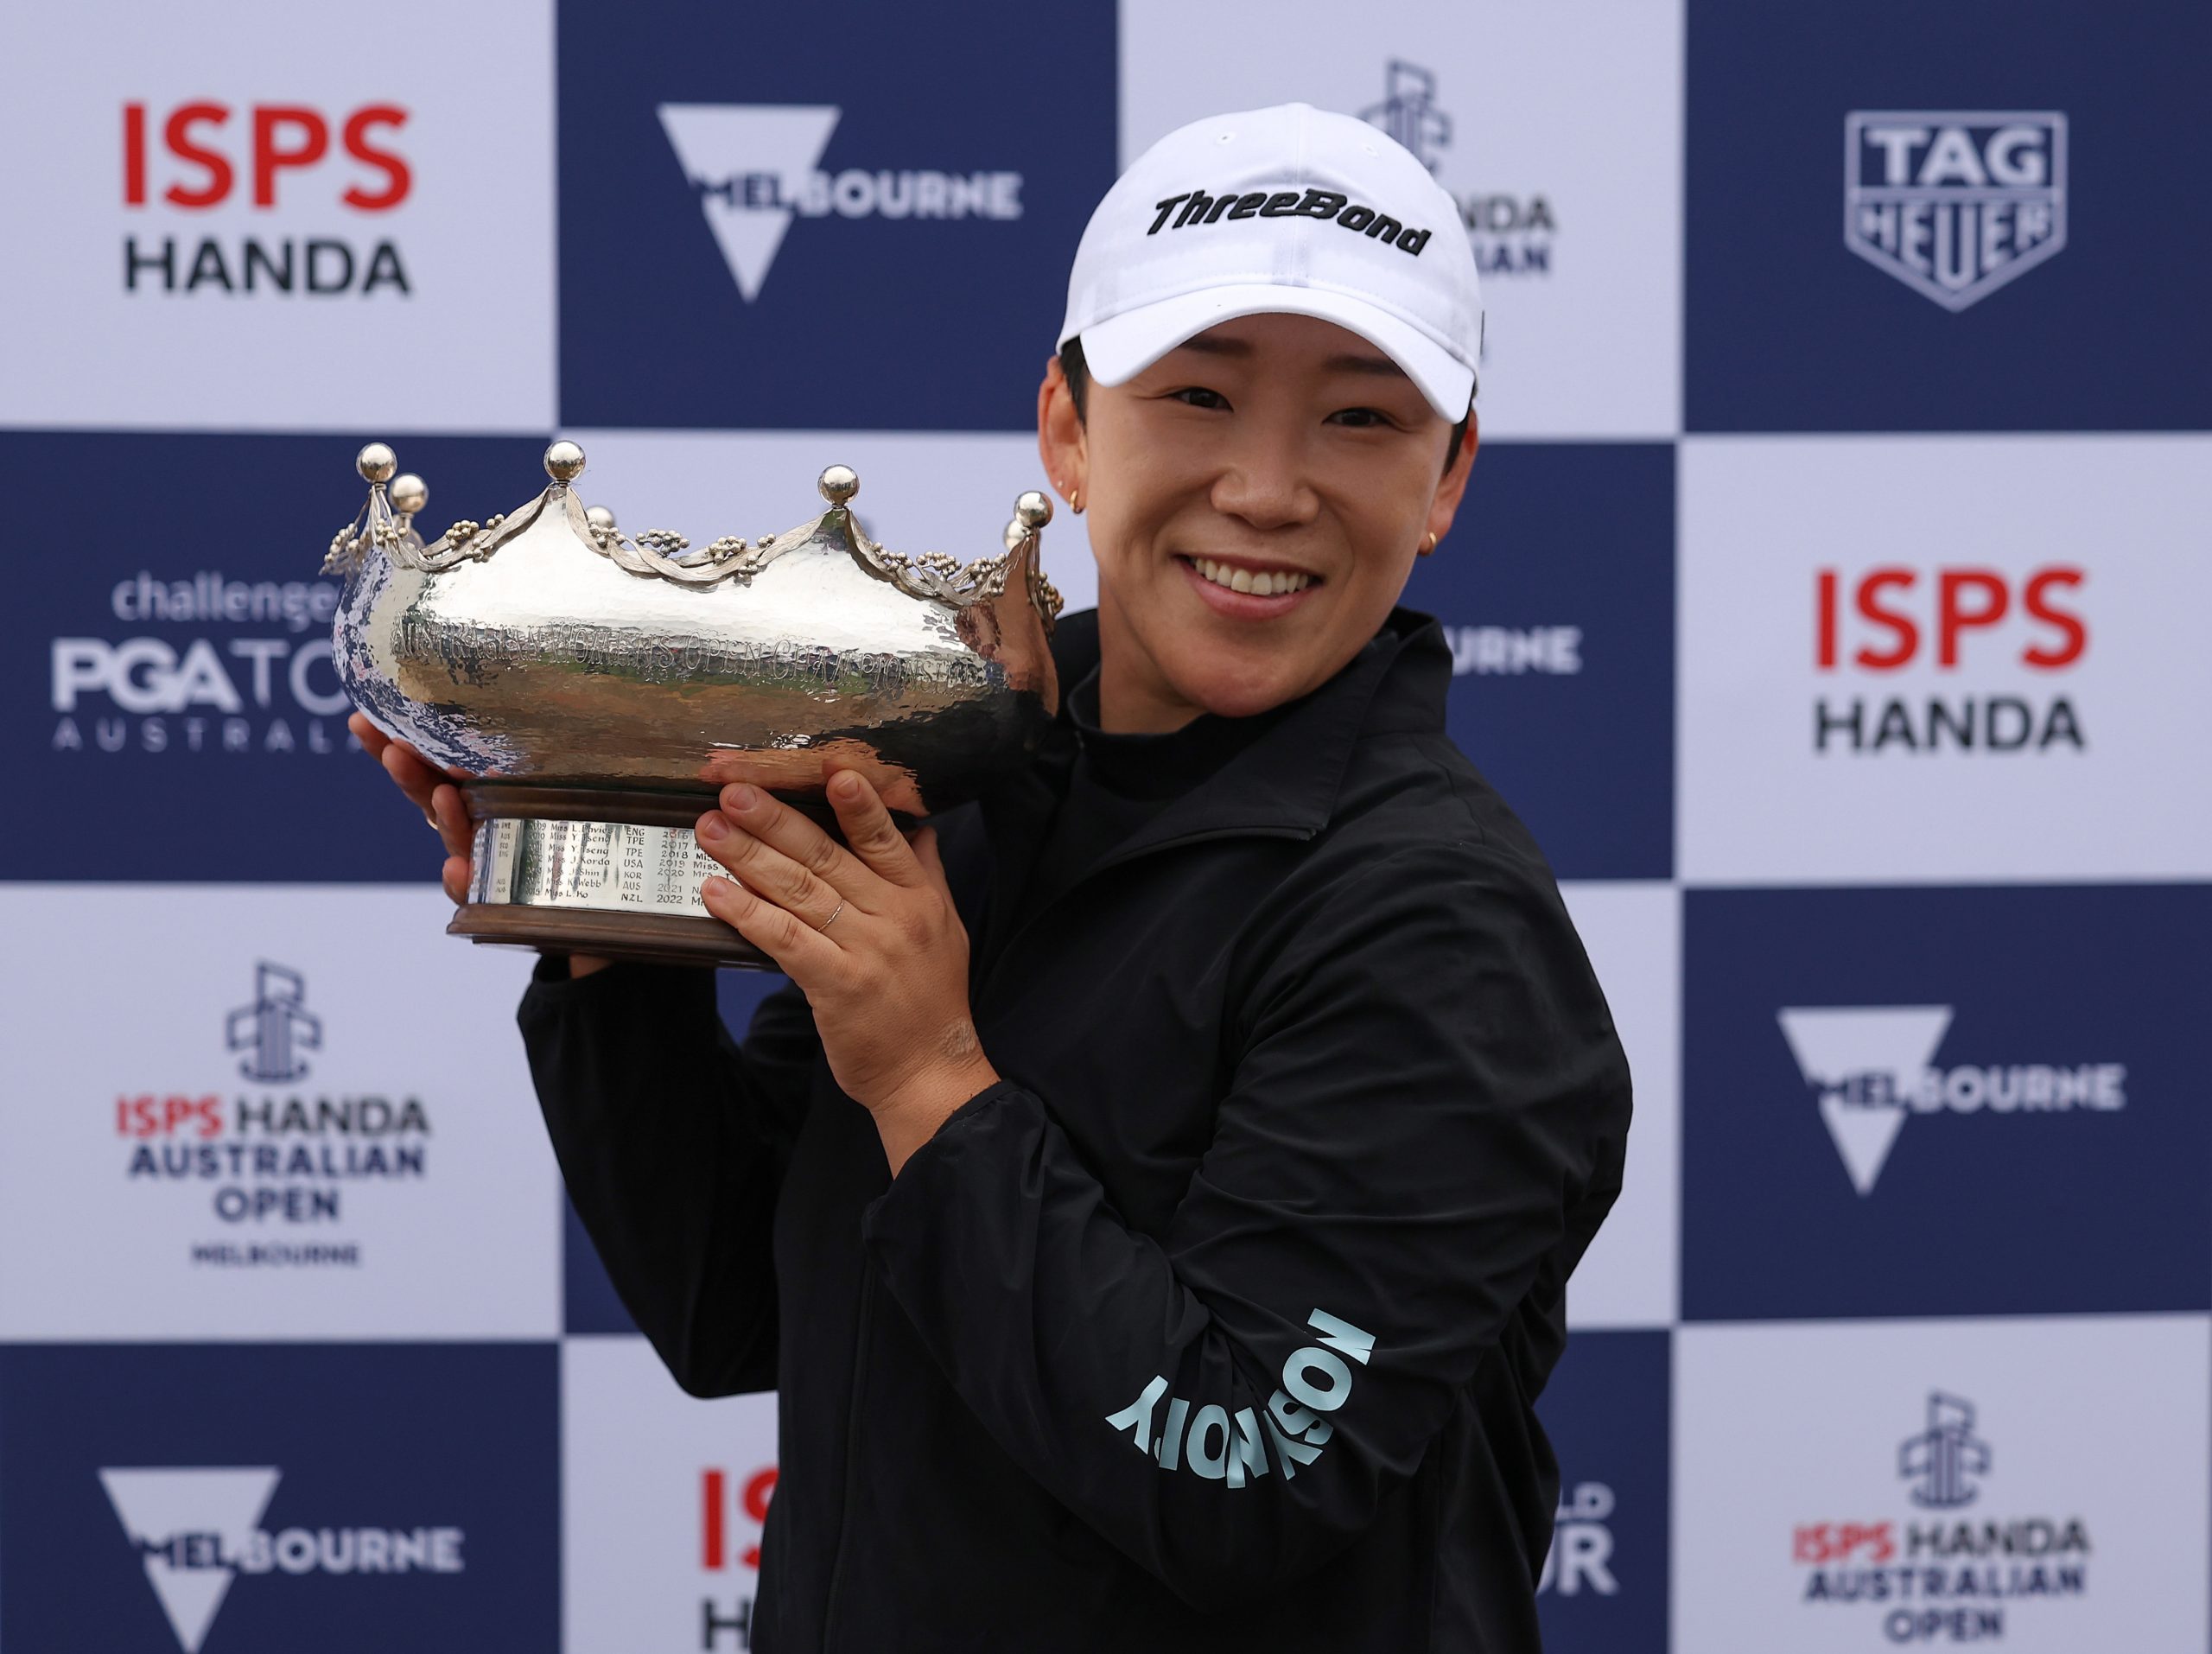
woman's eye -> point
(1360, 416)
(1199, 396)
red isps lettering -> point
(1838, 1542)
(752, 1500)
(1966, 600)
(148, 1115)
(284, 138)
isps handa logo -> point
(1512, 232)
(280, 1160)
(244, 667)
(1954, 203)
(301, 193)
(1952, 660)
(1869, 1069)
(731, 1508)
(1935, 1572)
(755, 169)
(198, 1531)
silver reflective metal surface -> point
(548, 647)
(609, 867)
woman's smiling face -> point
(1257, 499)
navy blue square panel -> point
(347, 1498)
(1974, 216)
(1556, 589)
(1603, 1588)
(1945, 1102)
(589, 1300)
(830, 216)
(166, 687)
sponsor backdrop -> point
(1828, 601)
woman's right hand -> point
(437, 797)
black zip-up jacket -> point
(1218, 1324)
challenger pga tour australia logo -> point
(754, 167)
(1869, 1068)
(1954, 203)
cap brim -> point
(1124, 346)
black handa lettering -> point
(1247, 204)
(1412, 241)
(1280, 205)
(1320, 204)
(1222, 206)
(1166, 207)
(1357, 218)
(1385, 226)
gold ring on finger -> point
(832, 920)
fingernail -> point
(713, 826)
(845, 784)
(741, 796)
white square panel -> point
(267, 216)
(664, 1496)
(1910, 658)
(1632, 933)
(266, 1111)
(1557, 128)
(1841, 1488)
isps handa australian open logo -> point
(282, 1158)
(1512, 230)
(1952, 1562)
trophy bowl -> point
(592, 691)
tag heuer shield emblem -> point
(1954, 203)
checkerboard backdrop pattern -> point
(1830, 601)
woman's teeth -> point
(1263, 582)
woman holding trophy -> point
(1153, 1196)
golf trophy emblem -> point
(592, 691)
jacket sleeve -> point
(1425, 1121)
(672, 1139)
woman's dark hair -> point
(1077, 372)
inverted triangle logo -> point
(750, 164)
(190, 1526)
(1862, 1063)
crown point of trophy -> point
(1033, 509)
(564, 462)
(839, 483)
(598, 516)
(376, 462)
(408, 495)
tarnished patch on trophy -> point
(591, 690)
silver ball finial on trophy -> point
(592, 691)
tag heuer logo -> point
(1954, 203)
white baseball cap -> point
(1289, 209)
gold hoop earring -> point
(1075, 502)
(1427, 544)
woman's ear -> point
(1060, 438)
(1453, 486)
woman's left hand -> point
(870, 935)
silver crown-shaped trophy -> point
(593, 689)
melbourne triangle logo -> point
(189, 1527)
(750, 164)
(1862, 1063)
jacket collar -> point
(1287, 782)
